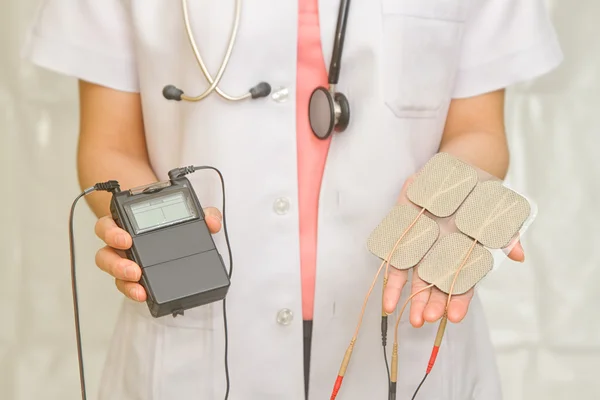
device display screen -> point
(161, 211)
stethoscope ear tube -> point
(263, 89)
(171, 92)
(329, 111)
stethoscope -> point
(328, 111)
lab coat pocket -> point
(158, 358)
(129, 371)
(184, 363)
(420, 49)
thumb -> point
(516, 252)
(213, 219)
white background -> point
(544, 314)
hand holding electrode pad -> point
(457, 223)
(472, 211)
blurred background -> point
(543, 314)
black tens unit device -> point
(181, 267)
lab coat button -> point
(285, 317)
(281, 206)
(280, 94)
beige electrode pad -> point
(492, 214)
(442, 185)
(450, 210)
(415, 243)
(440, 265)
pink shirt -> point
(312, 152)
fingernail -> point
(133, 294)
(121, 240)
(129, 271)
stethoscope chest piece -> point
(328, 112)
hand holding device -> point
(111, 258)
(169, 249)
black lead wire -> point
(419, 387)
(230, 273)
(108, 186)
(384, 328)
(387, 366)
(74, 290)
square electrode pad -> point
(440, 265)
(442, 185)
(415, 243)
(492, 214)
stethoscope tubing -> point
(329, 110)
(213, 82)
(338, 44)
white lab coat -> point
(403, 62)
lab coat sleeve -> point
(505, 42)
(90, 40)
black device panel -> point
(181, 266)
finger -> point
(121, 268)
(517, 253)
(418, 303)
(459, 305)
(391, 295)
(134, 291)
(108, 231)
(213, 219)
(436, 306)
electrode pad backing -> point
(440, 265)
(442, 185)
(415, 243)
(492, 214)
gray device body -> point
(181, 266)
